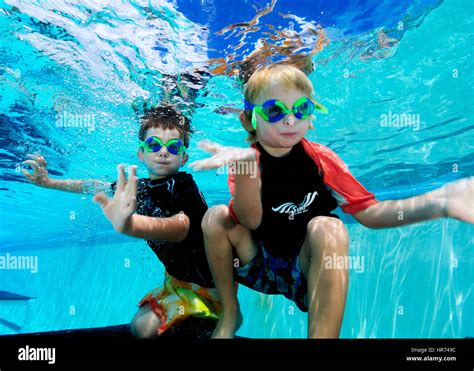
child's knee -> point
(140, 331)
(328, 231)
(216, 218)
(144, 325)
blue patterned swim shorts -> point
(271, 275)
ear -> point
(244, 120)
(140, 154)
(185, 158)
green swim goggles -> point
(274, 110)
(154, 144)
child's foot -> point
(228, 326)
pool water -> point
(385, 61)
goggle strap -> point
(254, 119)
(321, 108)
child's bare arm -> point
(120, 212)
(173, 229)
(86, 186)
(395, 213)
(40, 177)
(247, 201)
(454, 200)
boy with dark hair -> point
(166, 210)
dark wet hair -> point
(166, 117)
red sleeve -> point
(231, 185)
(349, 193)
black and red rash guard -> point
(311, 180)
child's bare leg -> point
(327, 288)
(221, 236)
(145, 323)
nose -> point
(290, 120)
(163, 152)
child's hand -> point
(459, 196)
(222, 155)
(40, 173)
(120, 209)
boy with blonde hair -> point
(280, 225)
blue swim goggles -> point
(274, 110)
(154, 144)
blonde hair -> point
(284, 75)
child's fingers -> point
(132, 183)
(33, 156)
(120, 178)
(209, 146)
(27, 175)
(131, 207)
(196, 165)
(41, 160)
(32, 163)
(101, 198)
(206, 164)
(132, 186)
(132, 171)
(37, 157)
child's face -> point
(162, 163)
(279, 137)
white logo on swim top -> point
(291, 208)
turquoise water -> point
(97, 59)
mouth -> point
(289, 135)
(162, 163)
